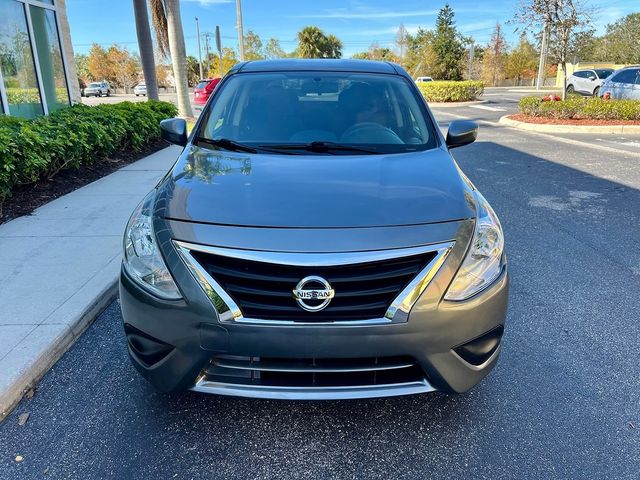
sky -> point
(358, 23)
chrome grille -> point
(313, 372)
(372, 287)
(263, 290)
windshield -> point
(201, 85)
(94, 84)
(381, 113)
(603, 72)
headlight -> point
(142, 259)
(483, 262)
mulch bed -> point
(27, 198)
(570, 121)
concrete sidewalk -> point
(59, 267)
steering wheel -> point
(370, 130)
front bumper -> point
(191, 334)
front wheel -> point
(596, 91)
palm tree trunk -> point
(178, 56)
(145, 44)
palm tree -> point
(313, 43)
(145, 44)
(167, 24)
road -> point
(564, 401)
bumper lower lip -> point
(311, 393)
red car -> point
(204, 89)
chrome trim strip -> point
(312, 393)
(328, 259)
(273, 367)
(397, 312)
(225, 306)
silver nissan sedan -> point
(315, 240)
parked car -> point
(588, 82)
(624, 83)
(424, 79)
(140, 89)
(203, 89)
(315, 240)
(97, 89)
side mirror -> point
(461, 132)
(174, 130)
(592, 77)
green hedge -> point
(31, 150)
(581, 108)
(442, 91)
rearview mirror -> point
(174, 130)
(461, 132)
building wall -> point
(38, 74)
(65, 34)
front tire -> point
(596, 91)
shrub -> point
(442, 91)
(582, 108)
(31, 150)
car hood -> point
(314, 191)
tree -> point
(98, 64)
(522, 61)
(193, 70)
(167, 24)
(162, 75)
(421, 56)
(495, 54)
(448, 47)
(621, 42)
(376, 52)
(401, 40)
(273, 49)
(563, 18)
(82, 66)
(333, 47)
(145, 45)
(583, 46)
(313, 43)
(253, 46)
(124, 67)
(229, 59)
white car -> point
(424, 79)
(97, 89)
(140, 89)
(588, 82)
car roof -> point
(316, 64)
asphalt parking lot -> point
(564, 401)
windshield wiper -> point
(227, 144)
(320, 147)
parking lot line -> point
(492, 109)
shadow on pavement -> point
(558, 404)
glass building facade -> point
(34, 78)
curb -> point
(550, 128)
(454, 104)
(533, 90)
(46, 358)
